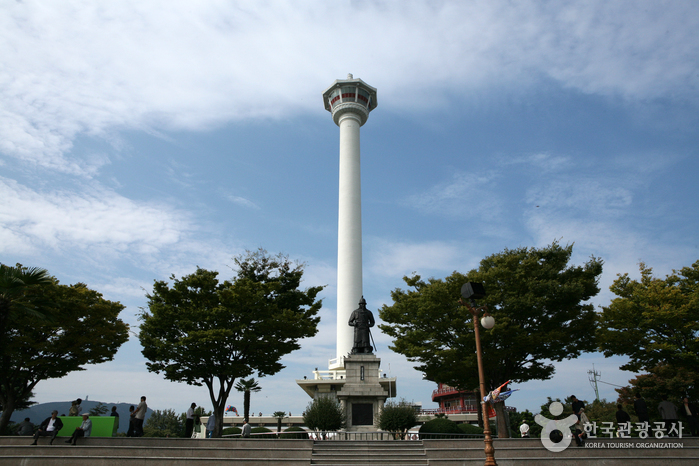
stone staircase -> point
(177, 451)
(154, 452)
(369, 452)
(530, 452)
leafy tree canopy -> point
(654, 321)
(80, 327)
(397, 417)
(205, 332)
(541, 316)
(164, 423)
(325, 414)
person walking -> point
(189, 422)
(49, 427)
(246, 429)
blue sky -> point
(144, 139)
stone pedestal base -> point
(364, 392)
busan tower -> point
(350, 101)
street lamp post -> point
(470, 292)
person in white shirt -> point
(49, 427)
(189, 423)
(524, 430)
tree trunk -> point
(503, 431)
(246, 406)
(8, 407)
(219, 411)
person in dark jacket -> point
(668, 411)
(49, 428)
(639, 405)
(689, 413)
(622, 417)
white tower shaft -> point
(350, 101)
(349, 237)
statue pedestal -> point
(364, 392)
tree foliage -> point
(68, 327)
(166, 423)
(541, 316)
(653, 321)
(205, 332)
(439, 428)
(100, 409)
(325, 414)
(398, 417)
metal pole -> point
(489, 449)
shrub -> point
(260, 430)
(470, 429)
(295, 432)
(324, 414)
(231, 431)
(397, 417)
(432, 429)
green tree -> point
(516, 420)
(324, 414)
(204, 332)
(247, 386)
(541, 316)
(82, 328)
(439, 428)
(164, 423)
(655, 322)
(99, 409)
(15, 282)
(280, 415)
(397, 418)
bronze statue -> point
(362, 319)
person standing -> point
(138, 416)
(25, 427)
(49, 427)
(210, 425)
(524, 429)
(131, 432)
(689, 412)
(84, 430)
(578, 407)
(639, 405)
(189, 422)
(116, 421)
(668, 412)
(246, 429)
(75, 408)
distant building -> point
(454, 401)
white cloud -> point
(96, 68)
(93, 219)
